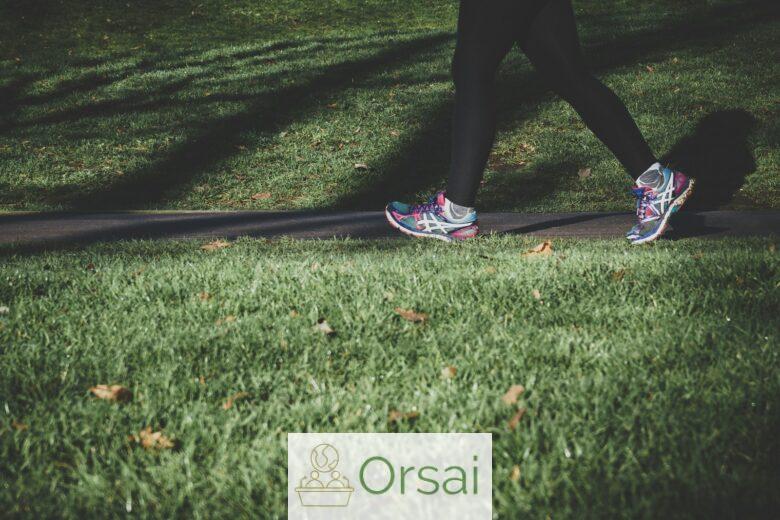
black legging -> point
(547, 33)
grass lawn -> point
(206, 104)
(652, 374)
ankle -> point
(456, 212)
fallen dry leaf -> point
(216, 244)
(324, 327)
(294, 313)
(410, 315)
(396, 416)
(18, 426)
(116, 393)
(543, 249)
(152, 440)
(536, 294)
(514, 475)
(511, 395)
(584, 173)
(261, 196)
(227, 405)
(361, 166)
(619, 274)
(527, 147)
(515, 420)
(204, 296)
(395, 133)
(333, 105)
(448, 372)
(650, 69)
(90, 267)
(227, 319)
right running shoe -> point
(660, 194)
(429, 220)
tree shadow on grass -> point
(214, 63)
(269, 112)
(416, 164)
(424, 160)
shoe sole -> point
(415, 234)
(675, 207)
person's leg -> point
(552, 45)
(486, 32)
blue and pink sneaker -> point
(660, 193)
(430, 220)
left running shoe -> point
(429, 221)
(660, 194)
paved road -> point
(51, 229)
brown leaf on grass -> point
(619, 274)
(18, 426)
(584, 173)
(228, 404)
(395, 133)
(536, 294)
(650, 69)
(514, 475)
(116, 393)
(395, 416)
(448, 372)
(410, 315)
(227, 319)
(324, 327)
(543, 249)
(333, 105)
(216, 244)
(204, 296)
(90, 267)
(152, 440)
(515, 420)
(261, 196)
(361, 166)
(511, 395)
(294, 313)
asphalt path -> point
(44, 230)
